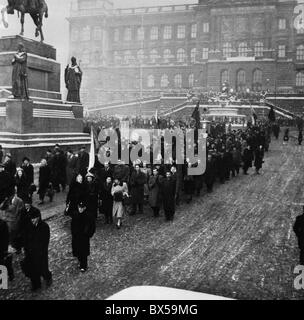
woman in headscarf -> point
(22, 184)
(119, 191)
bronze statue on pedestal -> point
(73, 78)
(19, 76)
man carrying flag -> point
(197, 116)
(92, 151)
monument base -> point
(29, 128)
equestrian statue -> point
(37, 9)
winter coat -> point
(7, 185)
(82, 229)
(118, 206)
(77, 193)
(168, 189)
(71, 168)
(155, 196)
(22, 187)
(36, 244)
(29, 173)
(137, 183)
(4, 240)
(107, 198)
(44, 179)
(298, 228)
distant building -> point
(127, 54)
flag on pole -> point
(3, 17)
(254, 116)
(197, 116)
(92, 151)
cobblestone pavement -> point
(237, 242)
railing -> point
(132, 11)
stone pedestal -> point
(31, 127)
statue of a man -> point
(19, 76)
(73, 77)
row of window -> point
(165, 82)
(181, 55)
(141, 33)
(243, 50)
(167, 55)
(283, 25)
(241, 81)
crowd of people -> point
(113, 190)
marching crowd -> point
(109, 189)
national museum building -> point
(129, 54)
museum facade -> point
(129, 54)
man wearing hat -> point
(7, 184)
(10, 165)
(28, 171)
(82, 229)
(36, 246)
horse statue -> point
(37, 9)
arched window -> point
(127, 56)
(116, 35)
(178, 81)
(75, 34)
(227, 50)
(86, 34)
(181, 55)
(167, 55)
(300, 52)
(153, 55)
(191, 80)
(193, 55)
(140, 33)
(151, 81)
(140, 55)
(257, 80)
(224, 77)
(154, 33)
(116, 57)
(164, 81)
(97, 33)
(241, 80)
(243, 49)
(300, 79)
(259, 49)
(86, 57)
(128, 34)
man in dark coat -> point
(210, 173)
(59, 170)
(28, 171)
(247, 160)
(137, 182)
(7, 184)
(10, 165)
(44, 181)
(82, 229)
(36, 246)
(298, 228)
(168, 189)
(105, 172)
(5, 258)
(83, 161)
(1, 154)
(107, 200)
(258, 159)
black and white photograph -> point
(151, 150)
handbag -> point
(67, 209)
